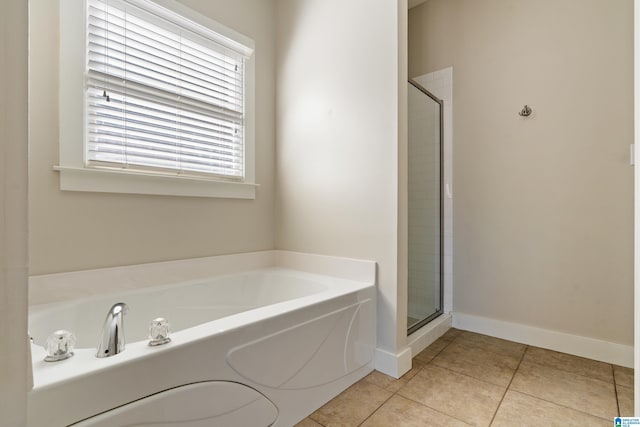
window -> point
(167, 101)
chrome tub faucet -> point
(112, 339)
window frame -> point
(75, 175)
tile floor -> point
(466, 379)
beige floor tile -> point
(432, 394)
(460, 396)
(525, 411)
(496, 368)
(452, 333)
(392, 384)
(426, 355)
(308, 422)
(438, 345)
(575, 391)
(384, 381)
(495, 345)
(402, 412)
(567, 362)
(352, 406)
(625, 401)
(624, 376)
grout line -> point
(434, 409)
(438, 352)
(508, 385)
(317, 422)
(487, 346)
(615, 390)
(572, 372)
(560, 405)
(547, 366)
(377, 409)
(462, 374)
(452, 371)
(556, 403)
(431, 362)
(565, 406)
(395, 393)
(441, 350)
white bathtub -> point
(260, 348)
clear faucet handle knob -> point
(159, 331)
(60, 346)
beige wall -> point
(337, 121)
(543, 218)
(13, 213)
(337, 154)
(75, 231)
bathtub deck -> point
(470, 379)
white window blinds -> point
(162, 93)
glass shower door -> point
(425, 207)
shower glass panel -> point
(425, 207)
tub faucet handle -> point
(159, 331)
(60, 346)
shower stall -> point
(425, 207)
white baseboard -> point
(577, 345)
(425, 336)
(393, 364)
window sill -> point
(114, 181)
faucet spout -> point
(112, 339)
